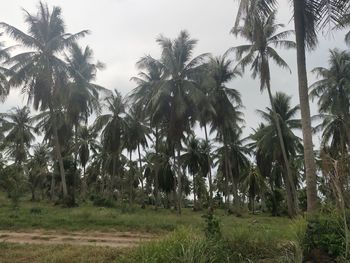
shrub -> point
(212, 228)
(325, 233)
(103, 202)
(35, 210)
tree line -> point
(85, 157)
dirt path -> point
(112, 239)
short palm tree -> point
(195, 160)
(267, 141)
(254, 184)
(38, 167)
(18, 126)
(112, 125)
(39, 70)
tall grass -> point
(189, 245)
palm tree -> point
(195, 160)
(38, 167)
(254, 184)
(309, 16)
(4, 55)
(136, 135)
(86, 141)
(83, 95)
(40, 71)
(17, 123)
(177, 95)
(112, 125)
(333, 89)
(268, 143)
(226, 103)
(262, 37)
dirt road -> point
(112, 239)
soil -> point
(109, 239)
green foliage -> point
(212, 228)
(187, 245)
(13, 182)
(325, 232)
(36, 210)
(103, 202)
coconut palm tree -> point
(195, 160)
(4, 56)
(309, 17)
(226, 103)
(333, 89)
(263, 36)
(177, 95)
(254, 184)
(38, 168)
(17, 124)
(112, 125)
(266, 140)
(83, 95)
(39, 70)
(136, 135)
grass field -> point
(248, 230)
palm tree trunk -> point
(226, 177)
(209, 175)
(179, 195)
(52, 190)
(291, 193)
(141, 177)
(311, 180)
(194, 194)
(58, 152)
(112, 178)
(156, 183)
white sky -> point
(125, 30)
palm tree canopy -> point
(262, 36)
(40, 71)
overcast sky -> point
(124, 30)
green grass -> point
(247, 238)
(15, 253)
(87, 217)
(188, 245)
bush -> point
(325, 233)
(103, 202)
(35, 210)
(212, 228)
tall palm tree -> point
(177, 95)
(262, 35)
(17, 124)
(309, 16)
(226, 103)
(112, 125)
(39, 70)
